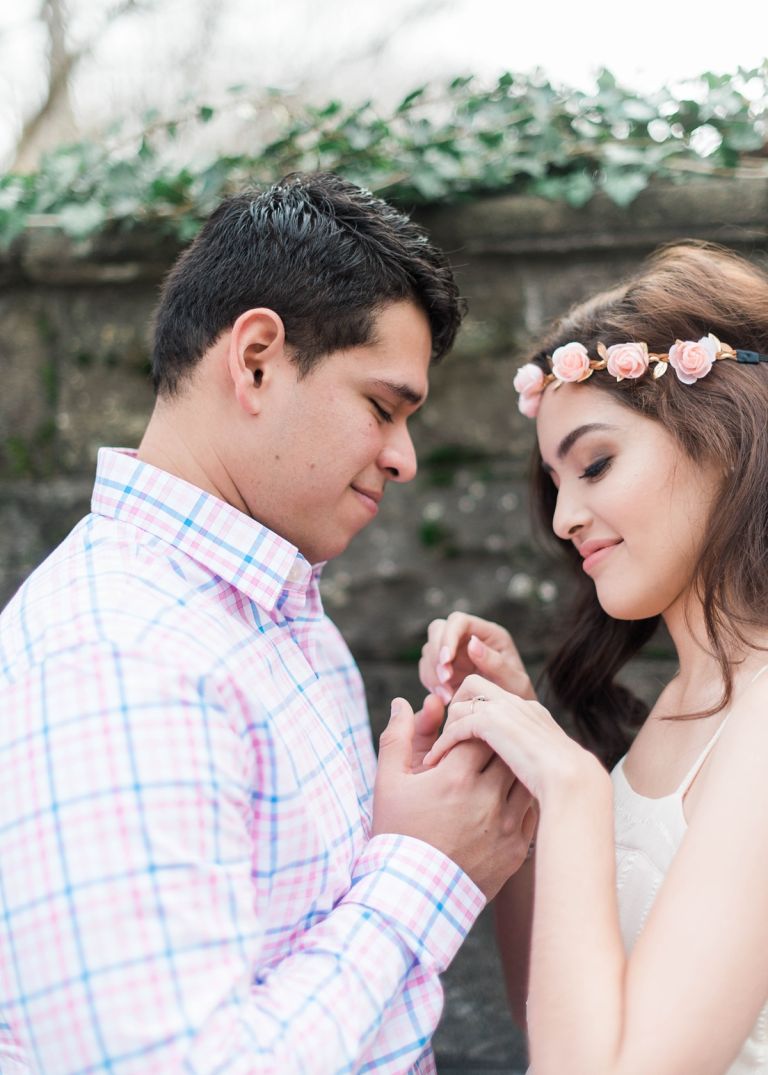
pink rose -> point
(529, 403)
(571, 362)
(690, 360)
(627, 360)
(529, 382)
(528, 379)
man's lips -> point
(593, 552)
(370, 497)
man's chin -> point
(321, 552)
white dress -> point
(648, 832)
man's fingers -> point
(499, 770)
(530, 821)
(427, 723)
(429, 718)
(396, 741)
(520, 804)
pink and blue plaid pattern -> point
(187, 880)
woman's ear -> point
(256, 346)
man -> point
(195, 873)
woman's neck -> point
(700, 679)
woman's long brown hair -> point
(682, 292)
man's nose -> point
(398, 457)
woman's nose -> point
(570, 516)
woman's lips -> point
(595, 557)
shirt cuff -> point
(425, 897)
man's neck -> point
(175, 441)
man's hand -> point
(427, 723)
(470, 806)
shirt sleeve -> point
(138, 929)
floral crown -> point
(571, 363)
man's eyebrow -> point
(403, 391)
(570, 439)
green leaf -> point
(409, 99)
(80, 220)
(623, 187)
(522, 134)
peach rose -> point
(529, 378)
(690, 360)
(529, 403)
(627, 360)
(571, 362)
(529, 382)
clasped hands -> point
(471, 806)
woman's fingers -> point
(475, 686)
(428, 663)
(470, 726)
(501, 666)
(521, 732)
(462, 644)
(456, 631)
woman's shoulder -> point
(736, 766)
(749, 704)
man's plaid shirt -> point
(187, 878)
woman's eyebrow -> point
(570, 439)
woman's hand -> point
(520, 731)
(462, 644)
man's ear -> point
(256, 346)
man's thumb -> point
(396, 741)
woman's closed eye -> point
(597, 469)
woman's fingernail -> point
(394, 709)
(444, 695)
(445, 655)
(443, 673)
(476, 647)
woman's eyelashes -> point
(597, 469)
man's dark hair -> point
(322, 253)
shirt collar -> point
(256, 561)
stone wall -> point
(73, 359)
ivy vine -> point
(440, 143)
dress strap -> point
(692, 772)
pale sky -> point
(198, 47)
(645, 44)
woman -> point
(649, 930)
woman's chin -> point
(624, 607)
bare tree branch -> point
(53, 120)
